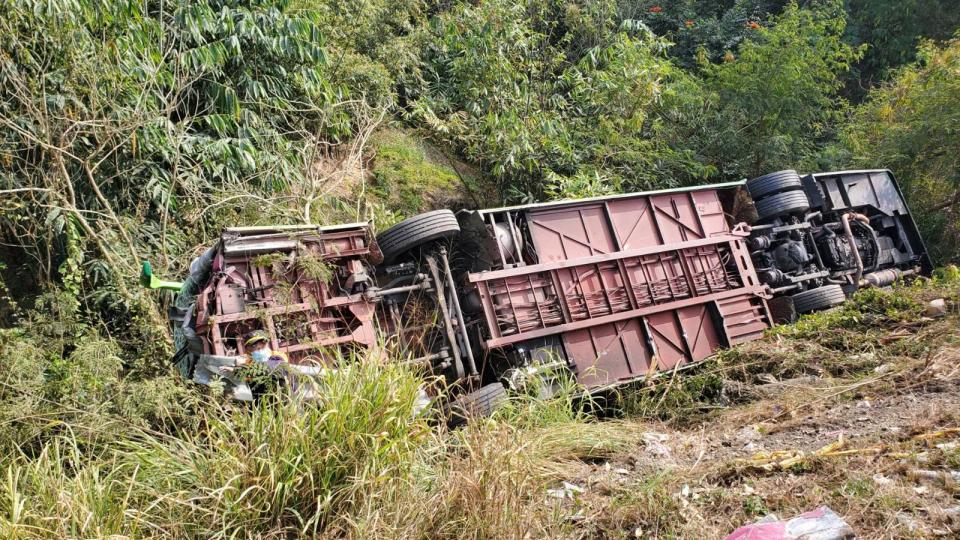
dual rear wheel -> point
(818, 299)
(778, 194)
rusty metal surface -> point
(567, 202)
(632, 284)
(296, 283)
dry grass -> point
(357, 464)
(876, 373)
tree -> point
(910, 125)
(555, 98)
(892, 30)
(701, 28)
(120, 121)
(778, 94)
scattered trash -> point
(881, 480)
(897, 335)
(577, 517)
(944, 478)
(864, 357)
(821, 524)
(749, 433)
(654, 444)
(935, 308)
(908, 521)
(939, 434)
(882, 368)
(785, 459)
(565, 491)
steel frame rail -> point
(687, 277)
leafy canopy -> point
(121, 120)
(910, 125)
(778, 96)
(549, 95)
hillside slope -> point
(857, 408)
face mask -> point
(260, 355)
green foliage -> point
(404, 177)
(314, 267)
(893, 29)
(277, 469)
(550, 94)
(866, 307)
(375, 44)
(754, 505)
(55, 364)
(910, 126)
(778, 94)
(120, 120)
(676, 397)
(291, 465)
(702, 27)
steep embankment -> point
(857, 408)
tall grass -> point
(356, 462)
(281, 467)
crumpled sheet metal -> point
(819, 524)
(301, 378)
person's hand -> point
(227, 369)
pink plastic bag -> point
(818, 524)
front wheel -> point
(480, 403)
(818, 299)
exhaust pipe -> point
(857, 278)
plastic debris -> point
(881, 480)
(781, 460)
(653, 444)
(908, 522)
(565, 491)
(935, 308)
(819, 524)
(946, 478)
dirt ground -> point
(891, 469)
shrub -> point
(909, 126)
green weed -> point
(405, 177)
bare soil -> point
(698, 481)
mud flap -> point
(782, 310)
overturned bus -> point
(613, 289)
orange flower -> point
(656, 9)
(753, 25)
(688, 23)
